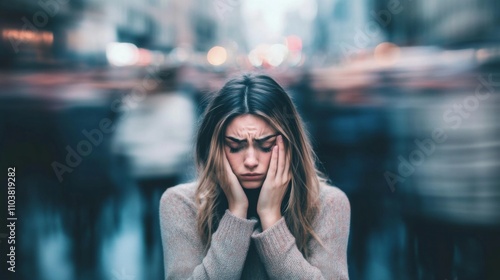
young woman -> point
(259, 208)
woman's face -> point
(248, 143)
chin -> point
(251, 184)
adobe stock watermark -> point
(222, 7)
(363, 36)
(95, 136)
(453, 118)
(40, 19)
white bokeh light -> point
(122, 54)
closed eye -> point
(268, 145)
(235, 150)
(266, 149)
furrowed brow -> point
(260, 140)
(263, 139)
(236, 139)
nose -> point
(251, 160)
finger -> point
(271, 172)
(228, 171)
(225, 174)
(286, 172)
(226, 162)
(281, 158)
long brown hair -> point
(258, 95)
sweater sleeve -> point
(282, 258)
(183, 248)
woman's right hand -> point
(236, 197)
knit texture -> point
(241, 250)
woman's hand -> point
(236, 197)
(275, 186)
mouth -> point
(252, 177)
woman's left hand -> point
(274, 186)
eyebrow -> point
(263, 139)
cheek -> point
(233, 159)
(266, 159)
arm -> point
(282, 258)
(183, 249)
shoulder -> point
(179, 196)
(186, 190)
(334, 214)
(333, 199)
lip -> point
(252, 176)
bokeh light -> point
(122, 54)
(217, 55)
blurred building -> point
(344, 29)
(32, 32)
(452, 22)
(64, 32)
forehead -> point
(249, 124)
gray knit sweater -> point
(241, 250)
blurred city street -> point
(100, 102)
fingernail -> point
(280, 138)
